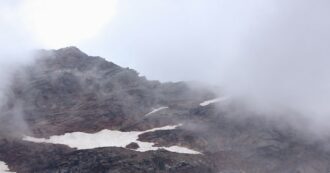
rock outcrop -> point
(67, 91)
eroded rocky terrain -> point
(66, 91)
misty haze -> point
(164, 86)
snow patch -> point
(109, 138)
(208, 102)
(155, 110)
(4, 168)
(179, 149)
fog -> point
(274, 53)
(16, 43)
(16, 47)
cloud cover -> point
(273, 53)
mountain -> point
(70, 112)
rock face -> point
(133, 145)
(67, 91)
(45, 158)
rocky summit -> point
(68, 112)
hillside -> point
(67, 94)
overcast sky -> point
(162, 39)
(273, 51)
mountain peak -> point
(70, 51)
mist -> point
(281, 65)
(272, 54)
(16, 51)
(16, 42)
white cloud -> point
(60, 23)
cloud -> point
(15, 41)
(61, 23)
(273, 53)
(16, 44)
(284, 62)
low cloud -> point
(273, 54)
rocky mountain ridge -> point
(66, 91)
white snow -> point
(109, 138)
(4, 168)
(155, 110)
(207, 102)
(178, 149)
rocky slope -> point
(67, 91)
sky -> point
(274, 52)
(152, 36)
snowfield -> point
(4, 168)
(109, 138)
(155, 110)
(208, 102)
